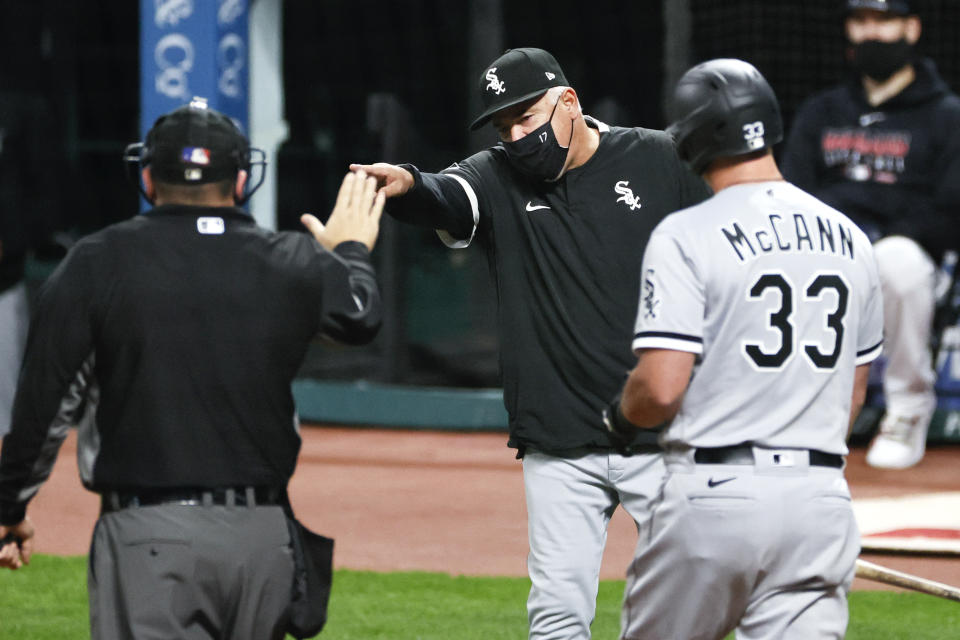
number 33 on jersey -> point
(793, 291)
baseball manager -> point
(562, 206)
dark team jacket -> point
(894, 168)
(172, 338)
(565, 258)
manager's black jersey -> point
(566, 261)
(187, 324)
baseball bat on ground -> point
(877, 573)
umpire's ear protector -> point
(195, 165)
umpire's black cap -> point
(195, 144)
(898, 7)
(517, 75)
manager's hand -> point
(16, 553)
(392, 181)
(355, 216)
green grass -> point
(48, 601)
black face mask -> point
(880, 60)
(538, 155)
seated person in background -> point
(884, 148)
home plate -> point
(921, 523)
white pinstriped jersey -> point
(778, 295)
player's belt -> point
(743, 454)
(228, 496)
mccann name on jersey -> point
(798, 233)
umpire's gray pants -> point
(569, 504)
(191, 573)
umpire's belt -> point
(743, 454)
(228, 497)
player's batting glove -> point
(622, 431)
(626, 436)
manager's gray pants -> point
(191, 573)
(569, 504)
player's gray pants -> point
(569, 504)
(190, 572)
(13, 336)
(769, 548)
(907, 278)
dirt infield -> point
(447, 502)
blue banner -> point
(194, 48)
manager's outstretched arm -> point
(434, 200)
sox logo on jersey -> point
(626, 195)
(650, 301)
(495, 83)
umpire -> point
(172, 338)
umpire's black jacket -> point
(172, 338)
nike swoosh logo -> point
(715, 483)
(533, 207)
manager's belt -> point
(743, 454)
(228, 496)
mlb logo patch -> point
(196, 155)
(210, 225)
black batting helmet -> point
(723, 107)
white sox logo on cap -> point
(495, 83)
(531, 73)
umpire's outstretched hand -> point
(15, 553)
(355, 216)
(392, 180)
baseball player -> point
(562, 207)
(884, 148)
(172, 338)
(759, 316)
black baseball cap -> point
(898, 7)
(517, 75)
(195, 144)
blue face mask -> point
(538, 155)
